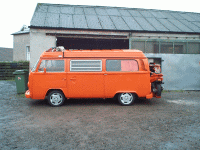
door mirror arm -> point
(45, 70)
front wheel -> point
(56, 98)
(126, 99)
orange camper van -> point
(63, 74)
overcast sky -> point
(16, 13)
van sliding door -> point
(85, 79)
(122, 75)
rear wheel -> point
(56, 98)
(126, 99)
(159, 90)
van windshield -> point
(35, 66)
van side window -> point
(85, 65)
(52, 66)
(121, 65)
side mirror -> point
(45, 70)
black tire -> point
(126, 99)
(159, 90)
(56, 98)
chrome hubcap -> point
(126, 98)
(56, 99)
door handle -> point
(105, 74)
(64, 79)
(73, 79)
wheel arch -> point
(119, 92)
(126, 98)
(50, 90)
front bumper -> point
(28, 94)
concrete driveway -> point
(172, 122)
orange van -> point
(63, 74)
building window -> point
(85, 65)
(151, 47)
(180, 48)
(168, 47)
(193, 48)
(140, 45)
(28, 53)
(121, 65)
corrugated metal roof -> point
(114, 18)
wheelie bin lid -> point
(18, 72)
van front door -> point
(85, 79)
(53, 78)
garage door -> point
(83, 43)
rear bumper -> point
(149, 96)
(28, 94)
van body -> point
(125, 74)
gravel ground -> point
(172, 122)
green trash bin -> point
(21, 79)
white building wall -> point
(181, 71)
(39, 42)
(20, 41)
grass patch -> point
(8, 80)
(180, 91)
(21, 95)
(167, 91)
